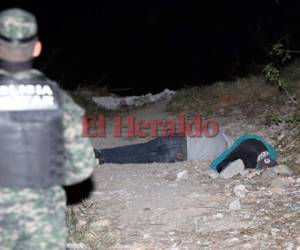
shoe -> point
(98, 155)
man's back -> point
(46, 149)
(38, 214)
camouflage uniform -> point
(34, 219)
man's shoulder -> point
(70, 106)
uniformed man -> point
(41, 147)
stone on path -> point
(269, 174)
(283, 170)
(240, 191)
(233, 169)
(183, 175)
(235, 205)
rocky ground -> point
(183, 206)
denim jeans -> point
(161, 149)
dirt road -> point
(180, 207)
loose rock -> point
(183, 175)
(290, 246)
(240, 191)
(235, 205)
(283, 170)
(214, 175)
(233, 169)
(170, 176)
(269, 174)
(219, 216)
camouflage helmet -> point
(17, 26)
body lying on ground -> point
(253, 150)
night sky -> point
(150, 45)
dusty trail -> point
(180, 207)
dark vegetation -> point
(134, 47)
